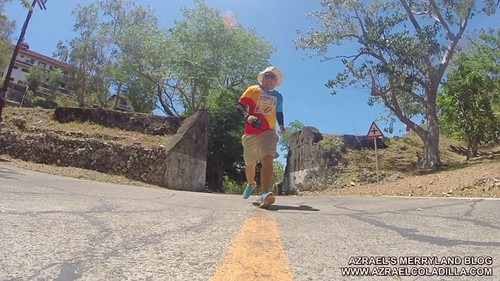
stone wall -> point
(314, 158)
(181, 164)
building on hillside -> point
(25, 61)
(120, 102)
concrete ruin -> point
(314, 158)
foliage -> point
(176, 68)
(292, 128)
(206, 55)
(208, 76)
(278, 172)
(471, 94)
(34, 78)
(6, 30)
(225, 131)
(140, 48)
(400, 50)
(230, 186)
(89, 54)
(55, 78)
(66, 101)
(29, 99)
(37, 77)
(138, 92)
(331, 145)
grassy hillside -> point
(38, 120)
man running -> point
(262, 107)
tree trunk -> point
(473, 147)
(117, 97)
(430, 138)
(80, 97)
(431, 159)
(163, 103)
(2, 104)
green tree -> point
(224, 146)
(284, 141)
(138, 91)
(140, 48)
(35, 78)
(471, 95)
(208, 54)
(278, 173)
(55, 78)
(6, 30)
(401, 51)
(211, 65)
(89, 53)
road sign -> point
(374, 131)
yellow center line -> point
(256, 253)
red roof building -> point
(27, 59)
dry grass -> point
(41, 120)
(400, 176)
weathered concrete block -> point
(314, 158)
(186, 162)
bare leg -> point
(250, 173)
(266, 175)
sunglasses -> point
(269, 76)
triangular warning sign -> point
(374, 131)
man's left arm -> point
(280, 118)
(279, 115)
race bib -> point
(266, 104)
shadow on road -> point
(289, 208)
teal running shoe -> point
(248, 190)
(266, 200)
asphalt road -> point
(57, 228)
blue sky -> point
(306, 98)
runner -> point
(262, 106)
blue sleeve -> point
(279, 105)
(280, 118)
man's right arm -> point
(243, 110)
(250, 119)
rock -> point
(19, 123)
(393, 177)
(313, 159)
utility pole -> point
(3, 91)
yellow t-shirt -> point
(262, 104)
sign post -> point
(375, 133)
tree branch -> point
(444, 24)
(418, 29)
(451, 48)
(411, 16)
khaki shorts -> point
(256, 147)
